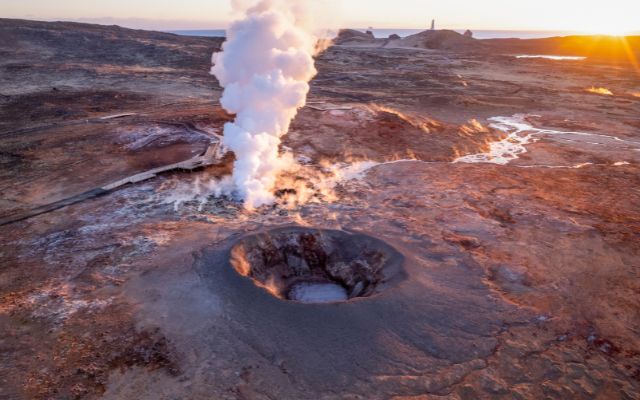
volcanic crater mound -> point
(316, 265)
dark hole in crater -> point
(316, 265)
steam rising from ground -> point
(264, 67)
(299, 185)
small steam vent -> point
(318, 266)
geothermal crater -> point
(316, 265)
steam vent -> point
(317, 266)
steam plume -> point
(264, 67)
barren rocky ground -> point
(519, 278)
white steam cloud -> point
(264, 67)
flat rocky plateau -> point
(520, 274)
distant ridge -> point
(615, 49)
(81, 42)
(403, 32)
(623, 50)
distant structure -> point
(468, 34)
(433, 24)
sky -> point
(592, 16)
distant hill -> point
(598, 47)
(65, 42)
(352, 37)
(440, 39)
(79, 42)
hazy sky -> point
(574, 15)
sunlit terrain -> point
(600, 90)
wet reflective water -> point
(311, 292)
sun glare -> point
(612, 29)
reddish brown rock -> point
(521, 279)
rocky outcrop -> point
(441, 40)
(352, 36)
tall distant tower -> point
(433, 24)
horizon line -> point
(122, 22)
